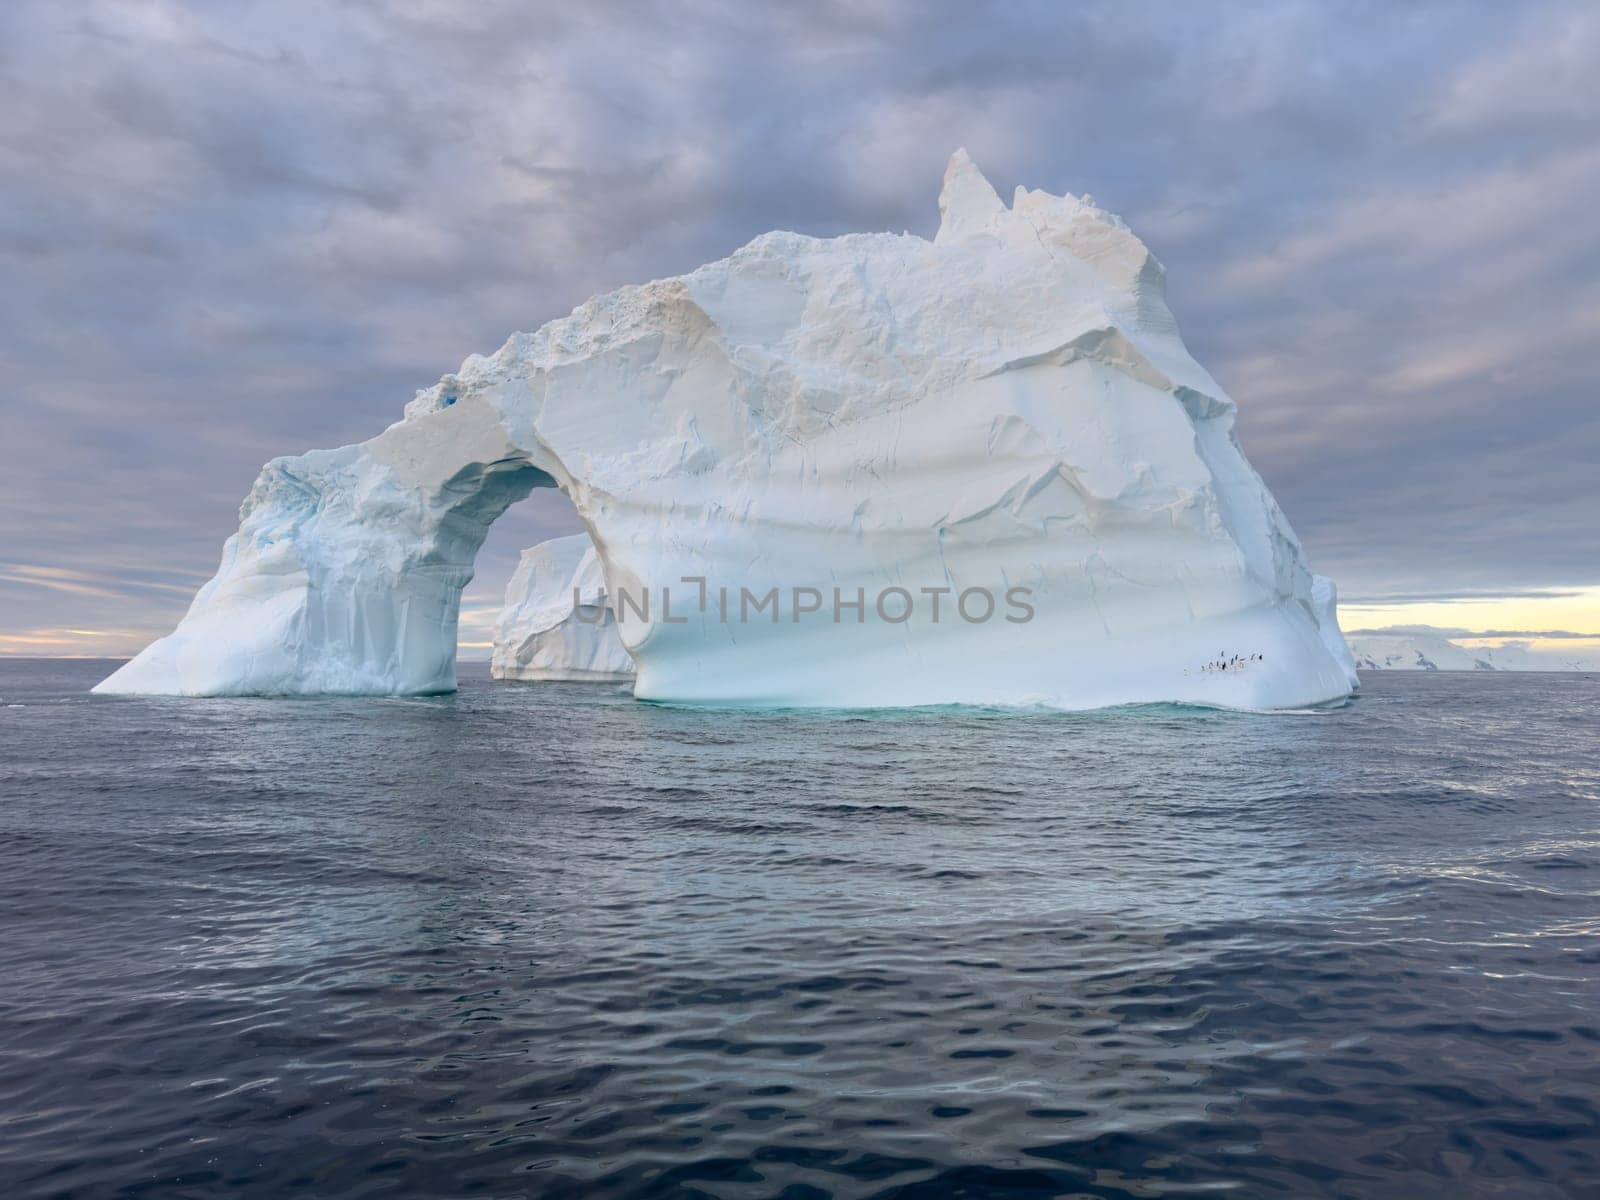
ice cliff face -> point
(857, 419)
(1325, 609)
(558, 621)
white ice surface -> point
(1009, 405)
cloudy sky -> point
(229, 232)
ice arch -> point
(347, 570)
(1009, 405)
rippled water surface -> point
(547, 941)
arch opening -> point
(545, 514)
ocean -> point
(544, 940)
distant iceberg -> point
(998, 432)
(558, 623)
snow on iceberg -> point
(558, 622)
(1006, 411)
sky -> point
(234, 231)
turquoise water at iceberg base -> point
(542, 940)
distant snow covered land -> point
(871, 470)
(1418, 648)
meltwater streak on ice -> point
(543, 940)
(1009, 404)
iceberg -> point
(558, 623)
(871, 470)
